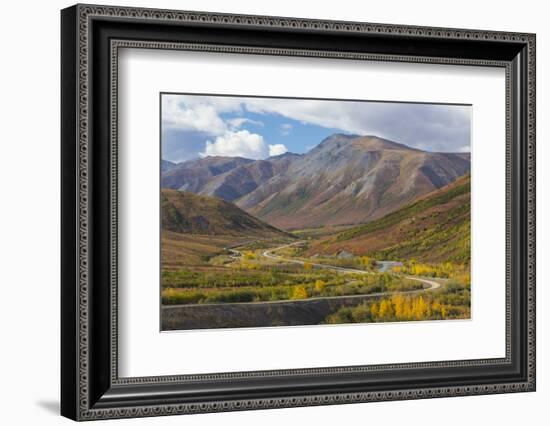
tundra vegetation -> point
(218, 247)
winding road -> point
(309, 311)
(433, 285)
(269, 254)
(385, 265)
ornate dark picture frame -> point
(90, 385)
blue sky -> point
(195, 126)
(299, 137)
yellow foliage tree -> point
(386, 310)
(398, 302)
(249, 255)
(407, 309)
(299, 292)
(250, 266)
(308, 266)
(374, 309)
(319, 286)
(419, 308)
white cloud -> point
(437, 127)
(425, 126)
(237, 144)
(286, 128)
(180, 115)
(200, 113)
(277, 149)
(236, 123)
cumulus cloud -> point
(200, 113)
(241, 143)
(277, 149)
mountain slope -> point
(195, 174)
(245, 178)
(435, 228)
(187, 213)
(348, 179)
(166, 165)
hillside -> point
(187, 213)
(436, 228)
(245, 178)
(346, 179)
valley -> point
(357, 230)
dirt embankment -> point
(295, 312)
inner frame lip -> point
(116, 44)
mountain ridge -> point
(434, 228)
(187, 213)
(345, 179)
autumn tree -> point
(249, 255)
(399, 302)
(367, 262)
(419, 308)
(374, 309)
(385, 310)
(299, 292)
(319, 286)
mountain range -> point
(346, 179)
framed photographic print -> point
(263, 212)
(323, 227)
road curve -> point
(269, 254)
(433, 285)
(309, 311)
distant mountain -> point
(465, 155)
(346, 179)
(188, 213)
(166, 165)
(246, 178)
(193, 175)
(436, 228)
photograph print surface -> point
(292, 211)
